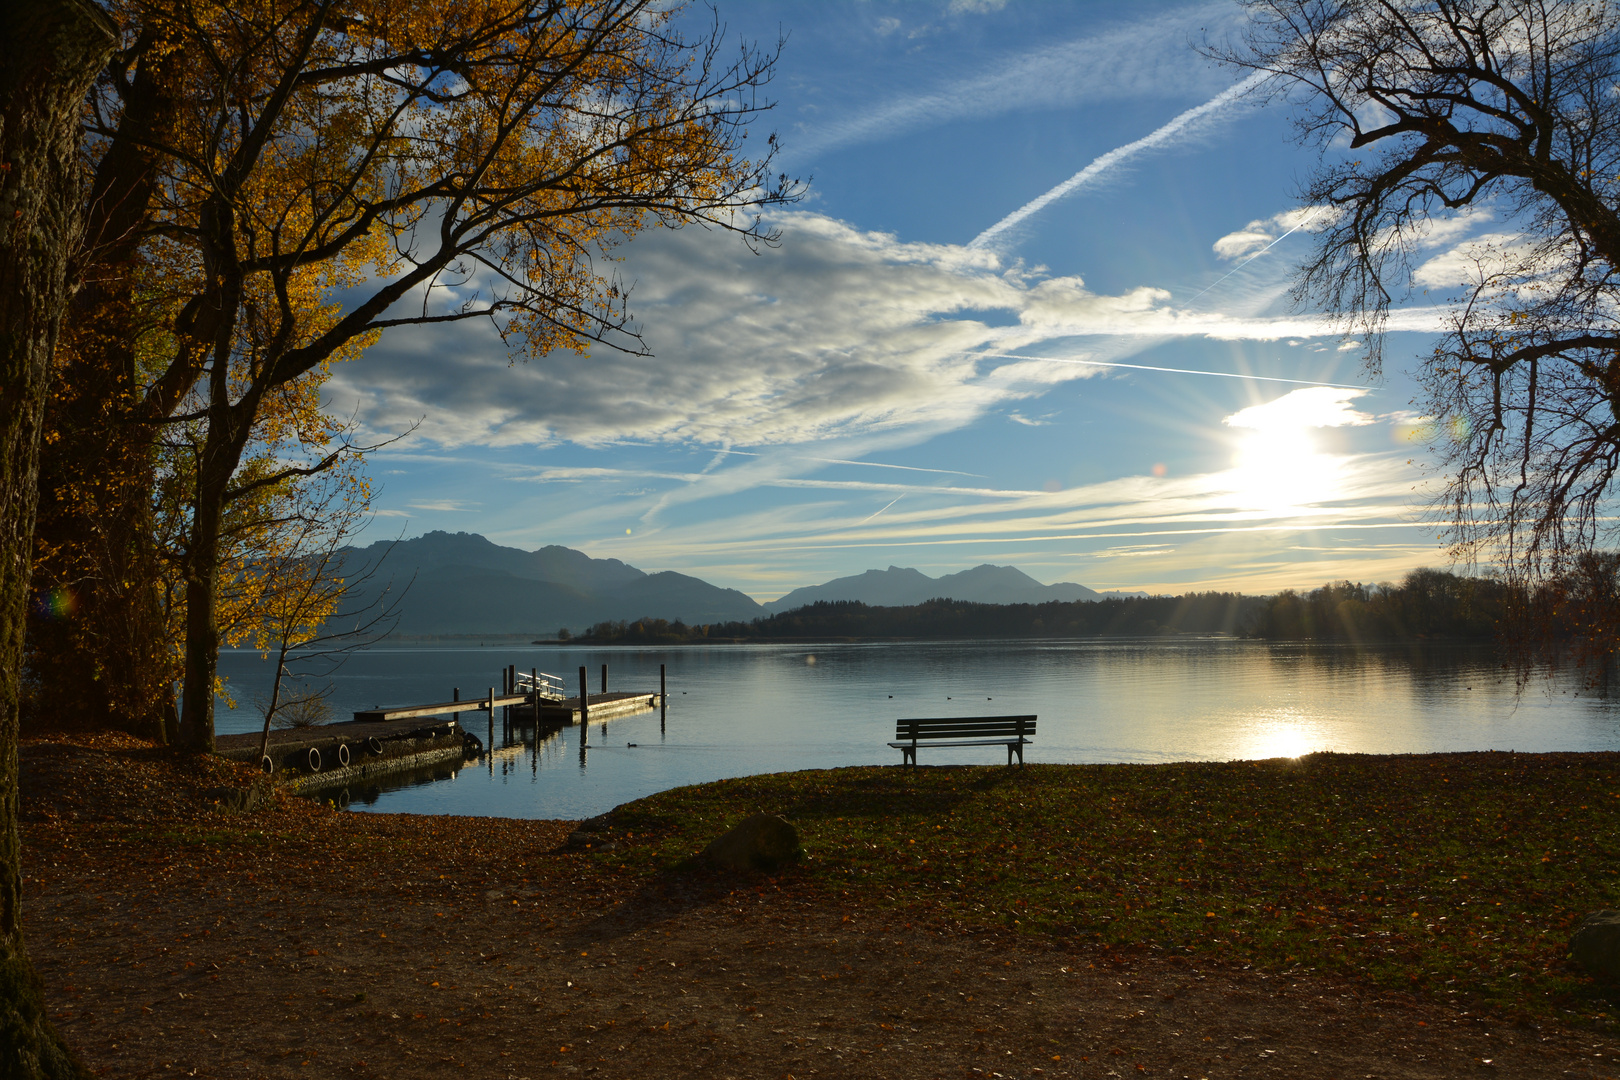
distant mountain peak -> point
(464, 583)
(901, 586)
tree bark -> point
(55, 49)
(97, 648)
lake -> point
(735, 710)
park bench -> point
(1013, 732)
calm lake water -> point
(741, 709)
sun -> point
(1278, 468)
(1278, 465)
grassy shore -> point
(1459, 876)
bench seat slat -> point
(965, 733)
(949, 723)
(959, 727)
(967, 742)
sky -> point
(1033, 310)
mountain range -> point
(901, 586)
(461, 583)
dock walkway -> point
(553, 710)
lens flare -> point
(56, 604)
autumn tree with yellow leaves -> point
(427, 163)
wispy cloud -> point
(839, 333)
(1170, 520)
(445, 506)
(1167, 370)
(1144, 59)
(1318, 407)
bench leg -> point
(908, 756)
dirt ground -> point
(291, 941)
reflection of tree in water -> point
(1424, 661)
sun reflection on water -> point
(1284, 734)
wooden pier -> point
(405, 737)
(599, 707)
(565, 711)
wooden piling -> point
(584, 706)
(604, 678)
(506, 710)
(663, 699)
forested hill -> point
(1428, 605)
(1195, 613)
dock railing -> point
(542, 685)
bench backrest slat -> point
(965, 727)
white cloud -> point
(1177, 517)
(1472, 259)
(836, 333)
(1235, 245)
(1316, 406)
(449, 506)
(975, 7)
(1256, 236)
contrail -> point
(1118, 155)
(1171, 370)
(1257, 254)
(873, 464)
(886, 505)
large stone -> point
(761, 842)
(235, 799)
(1596, 945)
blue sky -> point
(901, 381)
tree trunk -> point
(97, 648)
(56, 47)
(222, 452)
(202, 623)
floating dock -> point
(561, 711)
(335, 755)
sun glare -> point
(1277, 465)
(1284, 734)
(1278, 468)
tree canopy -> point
(300, 176)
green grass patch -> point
(1458, 874)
